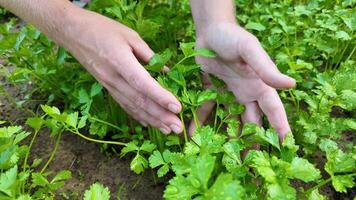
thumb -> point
(256, 57)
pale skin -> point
(112, 53)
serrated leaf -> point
(129, 147)
(62, 175)
(7, 179)
(39, 180)
(97, 191)
(147, 146)
(342, 182)
(138, 164)
(225, 187)
(303, 170)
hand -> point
(248, 72)
(111, 52)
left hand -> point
(249, 73)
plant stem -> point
(95, 140)
(26, 158)
(352, 52)
(184, 129)
(53, 152)
(195, 117)
(106, 123)
(29, 149)
(319, 185)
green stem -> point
(216, 115)
(319, 185)
(26, 158)
(53, 153)
(195, 117)
(95, 140)
(29, 149)
(184, 129)
(352, 52)
(185, 58)
(106, 123)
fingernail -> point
(173, 108)
(165, 130)
(175, 128)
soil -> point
(84, 159)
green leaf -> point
(187, 48)
(95, 89)
(147, 146)
(232, 149)
(315, 195)
(289, 149)
(269, 136)
(35, 122)
(62, 175)
(156, 159)
(97, 191)
(163, 170)
(83, 96)
(255, 26)
(39, 180)
(303, 170)
(158, 61)
(342, 182)
(179, 188)
(281, 191)
(82, 122)
(249, 129)
(173, 140)
(72, 119)
(7, 179)
(236, 109)
(232, 127)
(203, 169)
(262, 164)
(138, 164)
(61, 56)
(204, 52)
(225, 187)
(342, 35)
(205, 96)
(50, 110)
(130, 147)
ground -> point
(84, 159)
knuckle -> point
(140, 101)
(135, 81)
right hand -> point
(111, 52)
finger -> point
(164, 115)
(256, 57)
(140, 79)
(141, 50)
(135, 111)
(252, 114)
(272, 106)
(146, 104)
(203, 113)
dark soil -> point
(84, 159)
